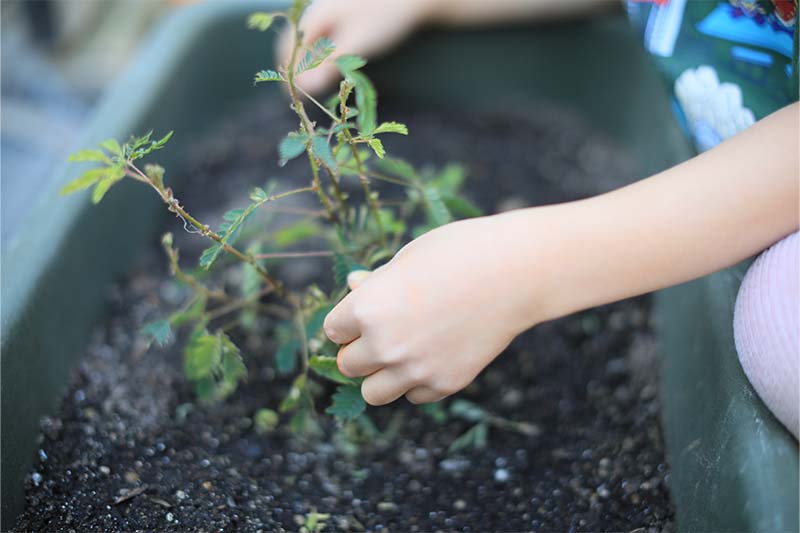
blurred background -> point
(57, 58)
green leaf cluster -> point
(214, 364)
(347, 403)
(260, 20)
(361, 228)
(115, 160)
(231, 227)
(319, 52)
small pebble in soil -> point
(501, 475)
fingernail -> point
(356, 278)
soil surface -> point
(129, 450)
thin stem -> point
(308, 126)
(323, 198)
(371, 202)
(319, 105)
(388, 179)
(289, 193)
(301, 327)
(237, 304)
(195, 285)
(300, 211)
(289, 255)
(174, 206)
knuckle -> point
(391, 354)
(362, 315)
(418, 372)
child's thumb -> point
(356, 278)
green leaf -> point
(397, 167)
(265, 420)
(367, 103)
(390, 223)
(295, 396)
(209, 255)
(436, 411)
(292, 146)
(321, 149)
(304, 423)
(259, 195)
(137, 142)
(462, 207)
(473, 438)
(418, 231)
(88, 155)
(251, 280)
(347, 403)
(232, 215)
(296, 232)
(377, 147)
(349, 63)
(193, 312)
(214, 364)
(158, 331)
(326, 366)
(286, 357)
(319, 51)
(205, 389)
(159, 144)
(437, 211)
(234, 221)
(391, 127)
(467, 410)
(84, 181)
(450, 179)
(114, 175)
(260, 21)
(342, 266)
(233, 369)
(202, 356)
(317, 318)
(268, 75)
(112, 146)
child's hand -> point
(362, 27)
(426, 323)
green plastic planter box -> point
(733, 466)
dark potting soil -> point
(129, 450)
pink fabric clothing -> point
(767, 329)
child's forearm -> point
(693, 219)
(468, 12)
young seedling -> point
(360, 232)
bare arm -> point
(693, 219)
(429, 321)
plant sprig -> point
(359, 234)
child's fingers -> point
(356, 360)
(384, 386)
(341, 325)
(423, 395)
